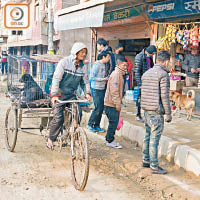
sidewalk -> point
(180, 142)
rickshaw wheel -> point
(11, 128)
(79, 159)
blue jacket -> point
(141, 66)
(97, 74)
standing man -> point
(155, 103)
(191, 65)
(4, 61)
(143, 62)
(98, 87)
(69, 74)
(113, 100)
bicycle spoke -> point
(80, 159)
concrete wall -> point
(68, 38)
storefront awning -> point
(84, 15)
(173, 9)
(25, 43)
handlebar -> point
(73, 101)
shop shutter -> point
(129, 31)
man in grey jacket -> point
(191, 65)
(155, 103)
(69, 74)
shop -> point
(116, 21)
(178, 28)
(128, 25)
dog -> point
(184, 101)
(31, 90)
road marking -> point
(183, 185)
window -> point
(135, 46)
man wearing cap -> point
(143, 62)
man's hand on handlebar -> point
(88, 97)
(54, 100)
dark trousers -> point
(127, 82)
(113, 118)
(138, 105)
(98, 99)
(4, 67)
(56, 124)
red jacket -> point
(130, 65)
(4, 57)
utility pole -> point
(50, 28)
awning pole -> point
(50, 28)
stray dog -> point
(184, 101)
(31, 90)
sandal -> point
(49, 144)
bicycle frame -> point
(73, 122)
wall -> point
(68, 38)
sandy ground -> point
(33, 172)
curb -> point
(182, 155)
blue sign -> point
(173, 8)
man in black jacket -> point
(102, 45)
(143, 62)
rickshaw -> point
(41, 69)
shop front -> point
(128, 25)
(178, 28)
(116, 21)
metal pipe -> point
(50, 28)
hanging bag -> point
(120, 123)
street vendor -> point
(191, 65)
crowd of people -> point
(106, 83)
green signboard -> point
(122, 14)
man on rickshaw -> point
(69, 74)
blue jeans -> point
(4, 67)
(98, 99)
(154, 124)
(113, 118)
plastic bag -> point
(120, 123)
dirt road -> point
(34, 173)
